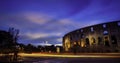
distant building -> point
(103, 37)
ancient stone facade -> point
(103, 37)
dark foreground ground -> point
(71, 60)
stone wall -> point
(103, 37)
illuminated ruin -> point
(103, 37)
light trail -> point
(69, 56)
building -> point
(103, 37)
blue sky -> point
(50, 20)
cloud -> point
(50, 39)
(53, 32)
(41, 35)
(36, 38)
(37, 17)
(59, 39)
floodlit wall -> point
(103, 37)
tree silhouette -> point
(14, 33)
(8, 42)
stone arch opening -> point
(114, 40)
(87, 41)
(105, 32)
(104, 25)
(99, 40)
(93, 41)
(118, 23)
(106, 41)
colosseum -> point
(104, 37)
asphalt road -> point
(58, 58)
(72, 60)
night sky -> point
(49, 20)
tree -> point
(5, 42)
(8, 40)
(14, 33)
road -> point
(81, 55)
(62, 58)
